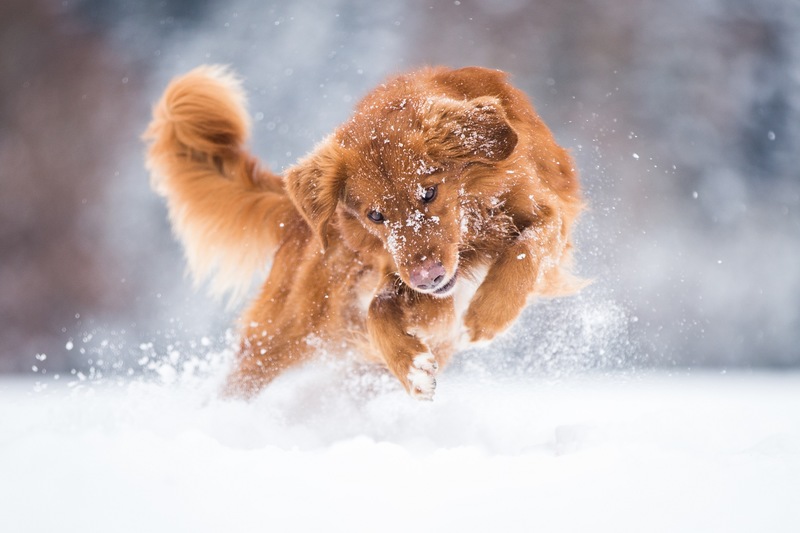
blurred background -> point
(683, 116)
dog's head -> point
(394, 174)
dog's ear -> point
(476, 129)
(314, 185)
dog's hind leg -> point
(297, 315)
(263, 357)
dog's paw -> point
(489, 315)
(422, 377)
(480, 331)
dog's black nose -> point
(427, 276)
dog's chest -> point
(448, 329)
(464, 292)
(465, 289)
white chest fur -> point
(464, 291)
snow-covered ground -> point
(326, 450)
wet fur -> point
(507, 197)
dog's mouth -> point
(447, 288)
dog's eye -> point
(376, 217)
(429, 194)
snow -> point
(325, 449)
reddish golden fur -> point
(505, 196)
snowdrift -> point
(327, 448)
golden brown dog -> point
(432, 216)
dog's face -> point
(411, 205)
(395, 174)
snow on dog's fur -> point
(442, 179)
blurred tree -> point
(64, 96)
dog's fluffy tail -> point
(229, 214)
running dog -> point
(428, 219)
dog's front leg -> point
(408, 358)
(513, 277)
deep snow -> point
(326, 450)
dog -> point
(427, 220)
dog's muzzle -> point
(431, 278)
